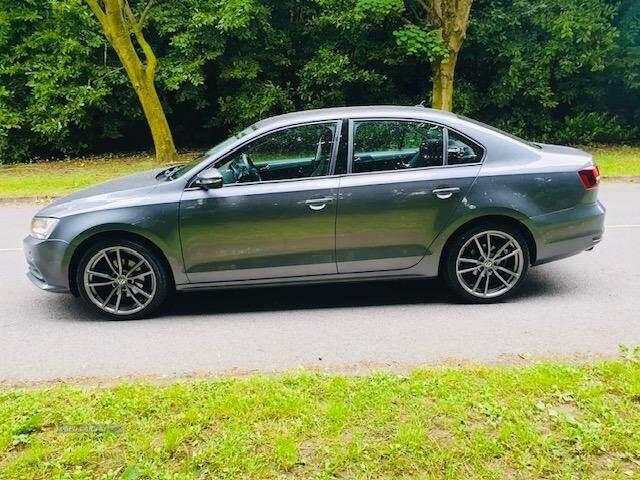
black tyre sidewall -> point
(162, 278)
(451, 254)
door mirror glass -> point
(209, 178)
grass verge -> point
(55, 178)
(620, 161)
(541, 421)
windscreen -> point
(212, 152)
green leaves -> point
(253, 102)
(332, 72)
(541, 66)
(52, 80)
(378, 10)
(417, 42)
(564, 71)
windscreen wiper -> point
(166, 173)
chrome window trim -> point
(334, 154)
(445, 135)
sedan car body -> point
(322, 196)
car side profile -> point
(329, 195)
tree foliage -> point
(547, 69)
(566, 71)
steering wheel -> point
(245, 170)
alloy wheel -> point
(489, 264)
(119, 280)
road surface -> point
(586, 305)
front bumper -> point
(46, 263)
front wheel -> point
(122, 279)
(486, 263)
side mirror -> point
(209, 178)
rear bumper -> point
(569, 232)
(45, 260)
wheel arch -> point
(115, 235)
(499, 219)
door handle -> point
(318, 203)
(444, 193)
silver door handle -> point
(444, 193)
(318, 203)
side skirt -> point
(309, 280)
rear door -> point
(401, 189)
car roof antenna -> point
(421, 104)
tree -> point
(438, 29)
(565, 71)
(119, 23)
(451, 17)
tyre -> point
(486, 263)
(122, 279)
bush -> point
(593, 128)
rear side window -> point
(381, 145)
(461, 150)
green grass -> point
(540, 421)
(55, 178)
(621, 161)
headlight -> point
(41, 227)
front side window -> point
(461, 150)
(380, 145)
(297, 152)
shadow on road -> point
(337, 295)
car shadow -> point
(540, 283)
(307, 297)
(337, 295)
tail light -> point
(590, 177)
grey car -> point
(328, 195)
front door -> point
(402, 190)
(275, 215)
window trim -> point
(334, 153)
(445, 144)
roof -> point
(354, 112)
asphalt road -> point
(586, 306)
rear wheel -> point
(122, 279)
(486, 263)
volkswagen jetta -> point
(324, 196)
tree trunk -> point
(118, 23)
(451, 17)
(158, 124)
(442, 96)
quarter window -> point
(461, 150)
(297, 152)
(380, 145)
